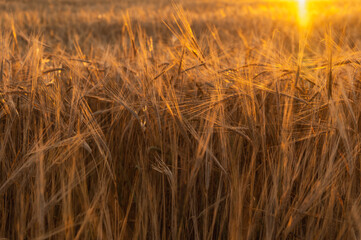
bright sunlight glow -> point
(302, 12)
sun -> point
(302, 12)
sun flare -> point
(302, 12)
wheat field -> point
(180, 120)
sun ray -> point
(302, 12)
